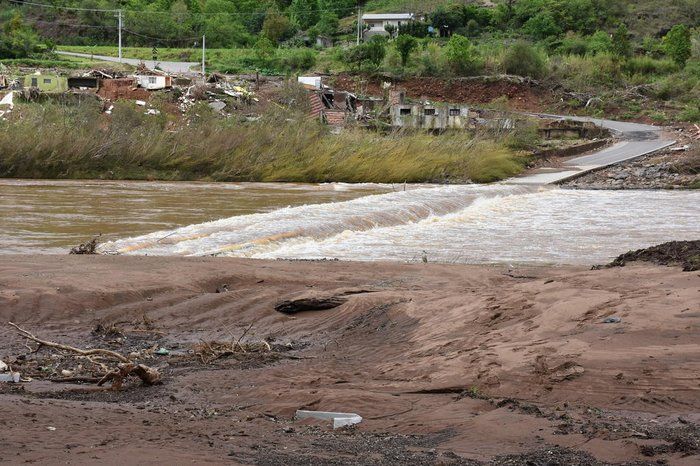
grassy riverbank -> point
(52, 141)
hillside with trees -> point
(625, 53)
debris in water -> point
(86, 248)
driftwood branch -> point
(70, 349)
(148, 375)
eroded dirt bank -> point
(447, 364)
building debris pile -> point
(223, 94)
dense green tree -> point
(328, 24)
(462, 56)
(414, 28)
(276, 26)
(371, 52)
(222, 27)
(524, 60)
(678, 44)
(621, 41)
(542, 26)
(405, 44)
(448, 19)
(305, 13)
(19, 40)
(600, 42)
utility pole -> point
(359, 24)
(119, 15)
(204, 47)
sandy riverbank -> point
(446, 363)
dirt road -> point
(447, 364)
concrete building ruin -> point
(438, 116)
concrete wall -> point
(46, 82)
(432, 117)
(153, 82)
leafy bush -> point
(19, 40)
(649, 66)
(297, 60)
(371, 52)
(541, 26)
(276, 26)
(524, 60)
(462, 56)
(573, 44)
(588, 71)
(600, 42)
(678, 45)
(621, 41)
(414, 28)
(432, 60)
(405, 44)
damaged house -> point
(332, 107)
(154, 82)
(47, 83)
(438, 116)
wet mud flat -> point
(447, 364)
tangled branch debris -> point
(86, 248)
(210, 351)
(126, 368)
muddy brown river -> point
(48, 216)
(497, 223)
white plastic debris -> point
(152, 111)
(680, 149)
(8, 100)
(141, 103)
(339, 419)
(10, 377)
(3, 366)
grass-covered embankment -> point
(79, 142)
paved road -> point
(634, 140)
(167, 66)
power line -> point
(161, 38)
(57, 7)
(74, 25)
(147, 12)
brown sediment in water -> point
(446, 363)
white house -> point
(375, 24)
(153, 82)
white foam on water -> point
(466, 224)
(248, 235)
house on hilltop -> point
(375, 24)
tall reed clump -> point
(53, 141)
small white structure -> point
(376, 23)
(339, 419)
(310, 82)
(153, 82)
